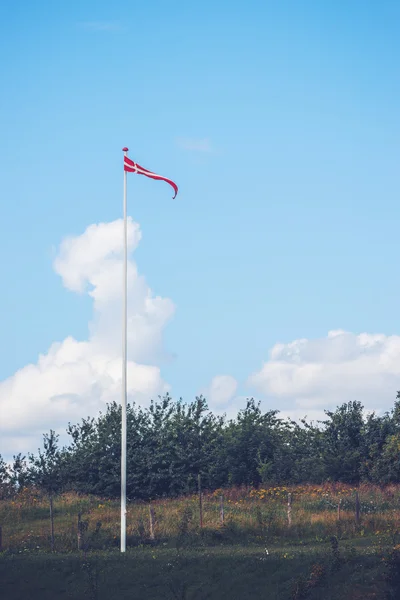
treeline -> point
(171, 442)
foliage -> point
(6, 489)
(248, 557)
(18, 473)
(46, 469)
(171, 442)
(343, 443)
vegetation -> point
(256, 463)
(254, 553)
(251, 516)
(171, 443)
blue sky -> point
(280, 124)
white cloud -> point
(307, 376)
(77, 378)
(195, 145)
(221, 391)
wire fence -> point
(233, 515)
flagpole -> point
(124, 361)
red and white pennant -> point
(132, 167)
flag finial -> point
(125, 149)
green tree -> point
(250, 442)
(343, 443)
(19, 473)
(46, 472)
(376, 432)
(297, 454)
(196, 439)
(387, 466)
(168, 445)
(94, 454)
(4, 474)
(6, 488)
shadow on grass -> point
(183, 573)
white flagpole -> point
(124, 361)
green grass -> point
(185, 562)
(188, 574)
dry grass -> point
(250, 514)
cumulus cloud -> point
(77, 378)
(306, 376)
(221, 391)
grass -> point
(254, 554)
(194, 573)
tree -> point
(386, 468)
(46, 472)
(5, 485)
(343, 443)
(93, 458)
(377, 430)
(249, 444)
(18, 473)
(4, 474)
(196, 438)
(297, 454)
(168, 445)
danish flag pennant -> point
(132, 167)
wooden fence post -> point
(79, 531)
(200, 501)
(221, 510)
(52, 522)
(338, 509)
(289, 509)
(152, 521)
(357, 509)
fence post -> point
(221, 510)
(152, 521)
(200, 501)
(357, 509)
(52, 522)
(289, 509)
(79, 531)
(338, 508)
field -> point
(319, 548)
